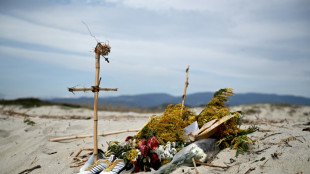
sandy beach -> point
(282, 144)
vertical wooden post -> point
(95, 106)
(185, 88)
(100, 50)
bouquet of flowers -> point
(144, 155)
(164, 136)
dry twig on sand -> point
(78, 160)
(306, 129)
(29, 170)
(211, 165)
(33, 161)
(250, 170)
(266, 136)
(196, 170)
(263, 165)
(290, 139)
(259, 151)
(266, 121)
(265, 130)
(85, 136)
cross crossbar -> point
(93, 89)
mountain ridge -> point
(192, 100)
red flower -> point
(128, 138)
(137, 169)
(153, 143)
(154, 157)
(144, 149)
(141, 143)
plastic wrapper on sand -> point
(201, 150)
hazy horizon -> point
(90, 95)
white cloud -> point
(153, 41)
(152, 55)
(200, 5)
(64, 60)
(27, 32)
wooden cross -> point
(103, 50)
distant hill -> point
(196, 99)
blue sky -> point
(251, 46)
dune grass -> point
(34, 102)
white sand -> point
(23, 146)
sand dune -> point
(281, 144)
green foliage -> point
(241, 143)
(25, 102)
(29, 122)
(229, 133)
(251, 129)
(169, 126)
(216, 108)
(116, 148)
(34, 102)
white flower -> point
(139, 153)
(161, 156)
(134, 143)
(167, 151)
(168, 154)
(168, 146)
(159, 150)
(173, 151)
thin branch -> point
(85, 136)
(250, 170)
(211, 165)
(78, 153)
(33, 160)
(269, 136)
(259, 151)
(31, 169)
(185, 88)
(196, 170)
(263, 165)
(99, 81)
(90, 31)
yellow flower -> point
(165, 161)
(169, 126)
(131, 155)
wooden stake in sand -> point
(185, 88)
(103, 50)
